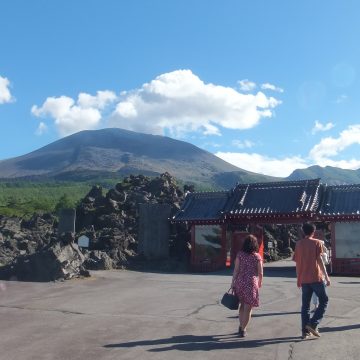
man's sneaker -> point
(313, 330)
(306, 335)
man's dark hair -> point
(251, 244)
(308, 228)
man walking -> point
(311, 278)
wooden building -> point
(219, 221)
(340, 208)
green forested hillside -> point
(24, 198)
(21, 198)
(328, 174)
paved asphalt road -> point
(137, 315)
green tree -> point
(64, 203)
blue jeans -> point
(307, 291)
(315, 299)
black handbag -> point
(230, 300)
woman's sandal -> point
(242, 333)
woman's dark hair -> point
(251, 244)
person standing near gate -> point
(247, 279)
(311, 272)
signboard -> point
(83, 241)
(347, 244)
(67, 221)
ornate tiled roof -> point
(340, 202)
(274, 201)
(203, 206)
(275, 198)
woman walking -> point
(247, 279)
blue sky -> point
(269, 86)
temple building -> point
(220, 220)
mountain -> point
(108, 152)
(96, 154)
(328, 174)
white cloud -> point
(5, 95)
(42, 128)
(173, 103)
(322, 154)
(330, 147)
(180, 102)
(352, 164)
(100, 101)
(341, 99)
(211, 130)
(267, 86)
(321, 127)
(263, 164)
(242, 144)
(247, 85)
(70, 117)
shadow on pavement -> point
(278, 268)
(280, 272)
(275, 313)
(340, 328)
(204, 343)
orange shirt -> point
(307, 255)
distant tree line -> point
(23, 199)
